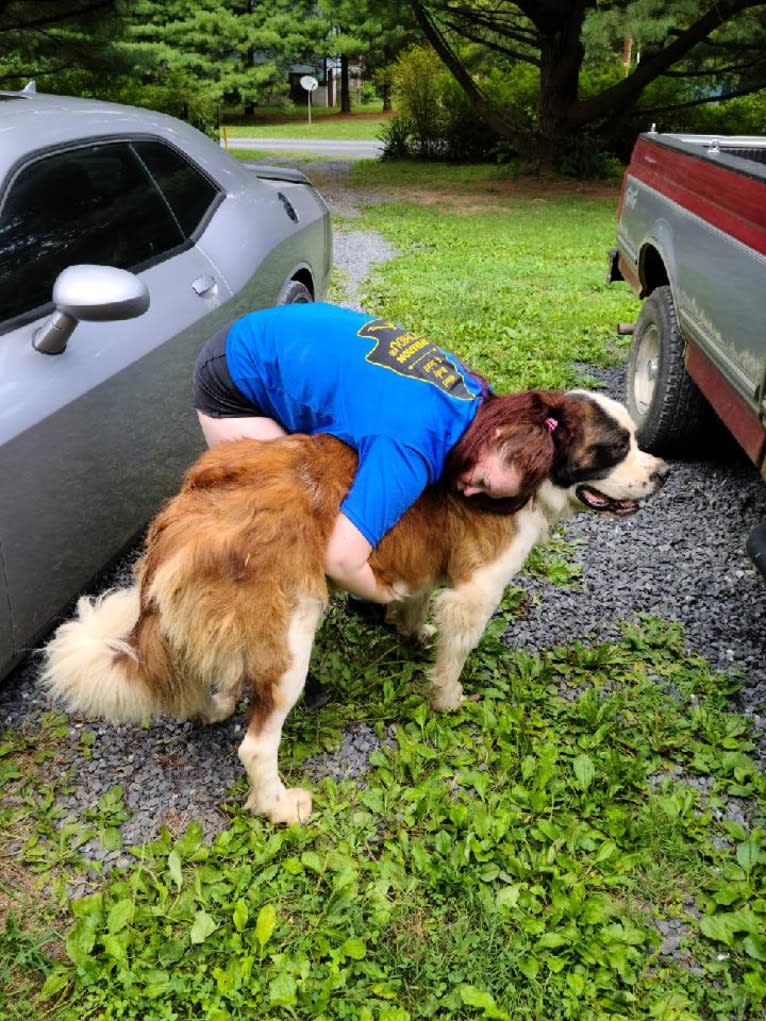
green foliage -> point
(584, 157)
(570, 41)
(744, 115)
(434, 118)
(509, 861)
(374, 31)
(194, 55)
(64, 51)
(24, 964)
(418, 82)
(395, 136)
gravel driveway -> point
(682, 558)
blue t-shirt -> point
(400, 401)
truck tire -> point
(666, 404)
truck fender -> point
(657, 260)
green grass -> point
(512, 860)
(507, 273)
(292, 112)
(343, 128)
(289, 155)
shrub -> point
(435, 119)
(395, 137)
(744, 115)
(585, 157)
(419, 81)
(177, 95)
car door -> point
(92, 440)
(6, 636)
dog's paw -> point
(217, 708)
(427, 634)
(446, 700)
(292, 805)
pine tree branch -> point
(702, 101)
(613, 101)
(48, 19)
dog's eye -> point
(610, 453)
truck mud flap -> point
(756, 547)
(612, 266)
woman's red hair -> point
(520, 427)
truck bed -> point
(745, 154)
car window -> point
(189, 193)
(95, 204)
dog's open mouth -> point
(597, 501)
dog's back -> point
(232, 555)
(261, 513)
(254, 511)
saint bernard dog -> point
(231, 588)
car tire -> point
(296, 293)
(666, 404)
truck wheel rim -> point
(647, 368)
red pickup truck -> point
(691, 241)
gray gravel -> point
(681, 558)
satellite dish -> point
(309, 82)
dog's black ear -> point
(567, 436)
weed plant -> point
(521, 859)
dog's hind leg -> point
(274, 700)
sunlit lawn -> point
(362, 126)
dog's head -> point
(597, 464)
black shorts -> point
(215, 393)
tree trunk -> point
(345, 91)
(386, 89)
(561, 57)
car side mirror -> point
(91, 294)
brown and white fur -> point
(231, 587)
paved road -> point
(315, 146)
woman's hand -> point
(346, 563)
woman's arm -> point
(346, 563)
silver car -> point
(127, 239)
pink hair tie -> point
(551, 423)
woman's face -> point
(490, 476)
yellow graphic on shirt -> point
(414, 357)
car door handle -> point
(204, 284)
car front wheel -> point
(666, 404)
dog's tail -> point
(91, 665)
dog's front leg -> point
(260, 748)
(461, 615)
